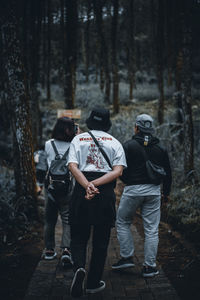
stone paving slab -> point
(51, 282)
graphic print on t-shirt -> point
(94, 157)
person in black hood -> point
(141, 191)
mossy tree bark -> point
(34, 32)
(18, 104)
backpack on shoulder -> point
(155, 172)
(59, 177)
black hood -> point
(146, 139)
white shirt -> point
(142, 190)
(61, 147)
(84, 152)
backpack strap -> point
(65, 154)
(145, 155)
(54, 148)
(101, 149)
(56, 151)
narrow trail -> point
(50, 281)
(178, 263)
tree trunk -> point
(104, 53)
(131, 47)
(19, 112)
(49, 50)
(87, 39)
(62, 39)
(71, 24)
(44, 45)
(169, 43)
(153, 18)
(186, 87)
(25, 34)
(34, 46)
(114, 58)
(160, 48)
(177, 37)
(102, 79)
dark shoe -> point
(148, 271)
(97, 289)
(77, 287)
(66, 258)
(49, 254)
(123, 263)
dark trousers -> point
(53, 207)
(80, 234)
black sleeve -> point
(168, 178)
(41, 167)
(40, 176)
(124, 177)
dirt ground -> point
(178, 257)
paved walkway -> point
(51, 282)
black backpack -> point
(59, 177)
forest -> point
(131, 56)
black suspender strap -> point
(65, 154)
(56, 151)
(54, 148)
(145, 155)
(101, 149)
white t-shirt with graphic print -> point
(87, 155)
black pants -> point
(80, 234)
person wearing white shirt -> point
(93, 199)
(55, 202)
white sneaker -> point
(49, 254)
(77, 287)
(149, 271)
(123, 263)
(100, 288)
(66, 258)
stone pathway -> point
(51, 282)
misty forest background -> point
(131, 56)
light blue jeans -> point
(150, 210)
